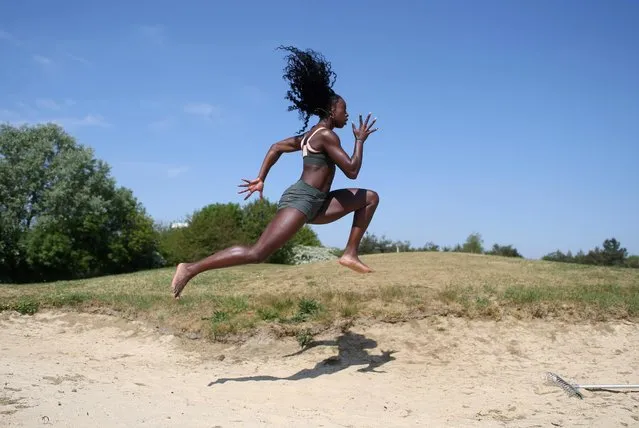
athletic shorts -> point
(303, 197)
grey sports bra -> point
(312, 156)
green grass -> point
(233, 302)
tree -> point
(473, 244)
(430, 246)
(556, 256)
(218, 226)
(633, 262)
(172, 244)
(612, 254)
(61, 214)
(504, 251)
(306, 237)
(371, 244)
(257, 215)
(212, 228)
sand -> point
(76, 370)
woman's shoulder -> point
(319, 135)
(327, 133)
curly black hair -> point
(311, 82)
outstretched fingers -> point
(246, 184)
(248, 189)
(251, 191)
(251, 187)
(367, 126)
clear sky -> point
(515, 119)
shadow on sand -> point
(352, 352)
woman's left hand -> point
(255, 185)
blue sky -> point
(517, 120)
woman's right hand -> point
(255, 185)
(364, 129)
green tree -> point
(556, 256)
(212, 228)
(430, 246)
(61, 214)
(218, 226)
(504, 251)
(633, 262)
(307, 237)
(474, 244)
(172, 245)
(612, 254)
(372, 244)
(258, 214)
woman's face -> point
(339, 113)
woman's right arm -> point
(286, 145)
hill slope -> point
(305, 299)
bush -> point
(504, 251)
(558, 256)
(170, 243)
(633, 262)
(306, 237)
(303, 254)
(212, 228)
(611, 254)
(218, 226)
(474, 244)
(430, 246)
(372, 244)
(256, 216)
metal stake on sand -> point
(573, 389)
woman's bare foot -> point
(180, 279)
(354, 263)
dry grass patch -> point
(234, 301)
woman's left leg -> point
(281, 228)
(362, 203)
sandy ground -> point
(75, 370)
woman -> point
(309, 200)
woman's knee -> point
(372, 197)
(257, 254)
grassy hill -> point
(308, 298)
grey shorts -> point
(303, 197)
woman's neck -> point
(326, 123)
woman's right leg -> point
(283, 227)
(362, 203)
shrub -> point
(504, 251)
(218, 226)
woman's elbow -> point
(352, 174)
